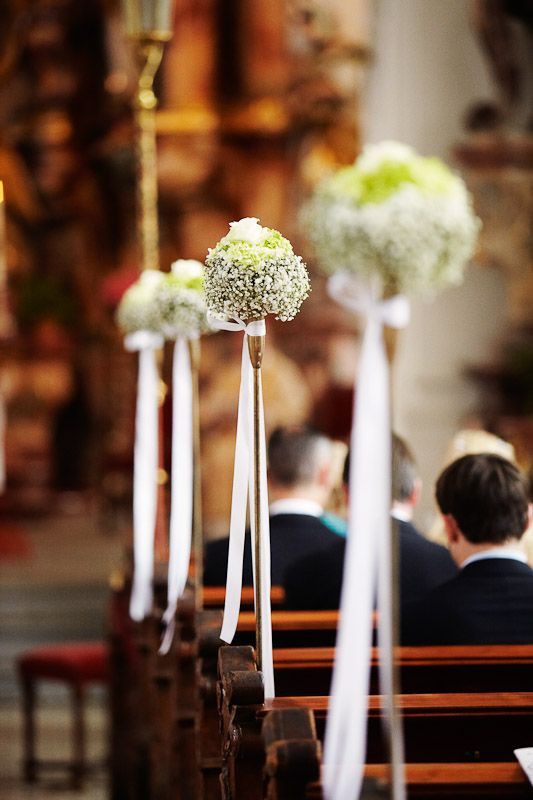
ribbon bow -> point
(367, 551)
(145, 465)
(243, 482)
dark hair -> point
(403, 470)
(487, 497)
(295, 455)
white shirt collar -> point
(499, 552)
(295, 505)
(400, 515)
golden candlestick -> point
(148, 24)
(145, 106)
(256, 347)
(7, 326)
(148, 19)
(197, 530)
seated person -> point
(315, 581)
(484, 504)
(299, 481)
(467, 442)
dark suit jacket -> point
(316, 580)
(488, 602)
(291, 537)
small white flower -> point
(187, 268)
(374, 154)
(150, 278)
(247, 229)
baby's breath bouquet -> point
(396, 215)
(250, 273)
(253, 271)
(138, 309)
(170, 303)
(181, 302)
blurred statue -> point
(505, 31)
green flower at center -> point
(429, 175)
(253, 255)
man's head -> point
(484, 502)
(405, 480)
(406, 484)
(299, 464)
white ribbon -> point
(145, 466)
(243, 484)
(181, 492)
(367, 549)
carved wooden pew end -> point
(292, 753)
(240, 693)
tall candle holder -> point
(149, 25)
(7, 325)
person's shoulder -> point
(315, 579)
(411, 537)
(304, 522)
(215, 561)
(424, 619)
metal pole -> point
(256, 346)
(146, 103)
(197, 532)
(396, 729)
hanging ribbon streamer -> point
(367, 550)
(145, 465)
(243, 484)
(181, 496)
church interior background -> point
(257, 101)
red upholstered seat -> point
(72, 662)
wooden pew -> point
(214, 596)
(308, 671)
(167, 703)
(169, 691)
(450, 727)
(422, 669)
(293, 756)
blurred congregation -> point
(253, 105)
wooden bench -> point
(175, 713)
(422, 669)
(214, 596)
(450, 727)
(307, 671)
(293, 756)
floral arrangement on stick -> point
(164, 306)
(138, 309)
(180, 300)
(250, 273)
(392, 222)
(253, 272)
(396, 215)
(169, 303)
